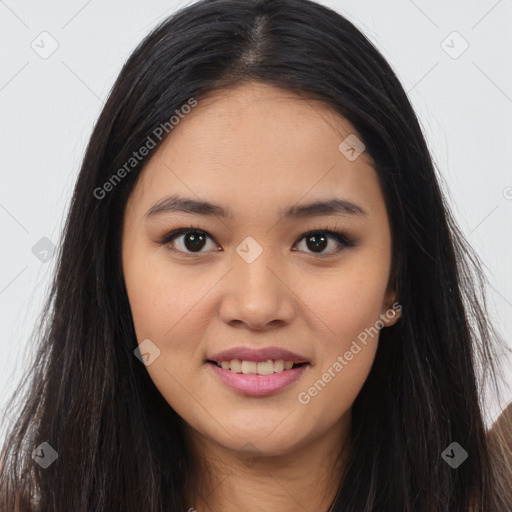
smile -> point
(257, 378)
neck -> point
(306, 478)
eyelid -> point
(339, 236)
(344, 240)
(175, 233)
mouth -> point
(262, 368)
(257, 378)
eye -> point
(192, 240)
(318, 240)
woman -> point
(262, 300)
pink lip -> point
(258, 385)
(260, 354)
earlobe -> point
(391, 314)
(392, 309)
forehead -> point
(257, 145)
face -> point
(249, 273)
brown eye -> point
(318, 241)
(191, 241)
(186, 241)
(194, 241)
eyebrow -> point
(198, 207)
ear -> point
(391, 309)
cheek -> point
(346, 302)
(347, 305)
(167, 309)
(348, 310)
(162, 298)
(333, 389)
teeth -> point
(256, 367)
(249, 367)
(278, 365)
(235, 365)
(265, 368)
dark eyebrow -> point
(330, 207)
(187, 205)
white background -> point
(48, 108)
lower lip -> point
(258, 385)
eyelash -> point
(341, 238)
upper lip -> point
(257, 354)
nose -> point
(257, 295)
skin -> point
(254, 149)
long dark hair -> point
(120, 445)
